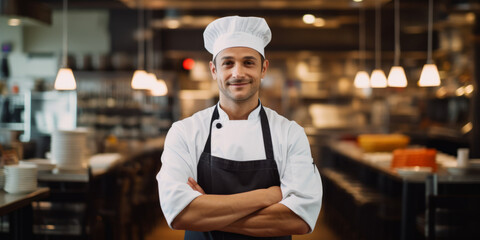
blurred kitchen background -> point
(317, 49)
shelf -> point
(12, 126)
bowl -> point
(415, 157)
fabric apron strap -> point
(267, 137)
(215, 116)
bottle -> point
(462, 157)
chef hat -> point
(235, 31)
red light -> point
(188, 63)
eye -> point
(227, 63)
(249, 63)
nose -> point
(238, 71)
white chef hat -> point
(235, 31)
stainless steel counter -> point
(361, 187)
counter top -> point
(100, 164)
(381, 162)
(11, 202)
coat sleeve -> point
(300, 183)
(177, 166)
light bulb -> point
(159, 88)
(308, 18)
(362, 80)
(429, 76)
(140, 80)
(378, 79)
(397, 77)
(151, 80)
(65, 80)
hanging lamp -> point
(362, 80)
(378, 78)
(397, 77)
(157, 87)
(65, 79)
(429, 76)
(140, 77)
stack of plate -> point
(2, 178)
(20, 178)
(43, 165)
(68, 149)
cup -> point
(462, 157)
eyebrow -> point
(244, 58)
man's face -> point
(238, 72)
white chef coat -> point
(239, 140)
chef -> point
(238, 170)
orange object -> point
(382, 142)
(422, 157)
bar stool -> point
(450, 216)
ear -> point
(213, 70)
(264, 67)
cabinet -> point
(38, 113)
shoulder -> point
(280, 122)
(193, 125)
(199, 119)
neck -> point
(238, 111)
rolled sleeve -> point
(174, 192)
(301, 184)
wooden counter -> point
(117, 195)
(355, 153)
(19, 209)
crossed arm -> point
(255, 213)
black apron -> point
(223, 176)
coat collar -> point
(254, 115)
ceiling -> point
(250, 4)
(339, 34)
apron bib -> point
(223, 176)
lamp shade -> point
(397, 77)
(151, 80)
(429, 76)
(159, 88)
(378, 79)
(65, 80)
(362, 80)
(140, 80)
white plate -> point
(463, 170)
(41, 163)
(414, 171)
(18, 191)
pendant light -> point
(362, 80)
(397, 77)
(140, 77)
(429, 76)
(157, 87)
(378, 78)
(65, 79)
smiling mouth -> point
(238, 83)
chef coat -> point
(239, 140)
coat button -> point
(219, 125)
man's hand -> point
(272, 219)
(274, 193)
(194, 185)
(254, 213)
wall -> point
(37, 49)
